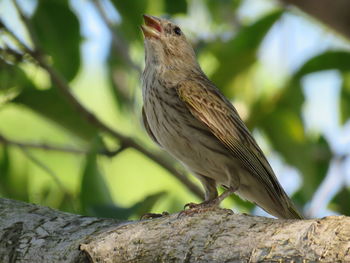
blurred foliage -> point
(56, 30)
(341, 202)
(53, 106)
(239, 53)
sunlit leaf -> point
(345, 99)
(11, 76)
(53, 106)
(239, 53)
(57, 30)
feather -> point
(207, 104)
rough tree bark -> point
(31, 233)
(334, 13)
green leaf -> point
(12, 184)
(291, 97)
(4, 170)
(144, 206)
(310, 157)
(286, 133)
(94, 190)
(328, 60)
(341, 202)
(345, 99)
(339, 60)
(131, 12)
(173, 7)
(68, 204)
(239, 53)
(119, 74)
(53, 106)
(222, 10)
(11, 76)
(57, 30)
(320, 156)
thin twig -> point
(44, 168)
(51, 173)
(27, 24)
(62, 85)
(43, 146)
(58, 148)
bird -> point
(187, 116)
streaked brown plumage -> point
(188, 117)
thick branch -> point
(30, 233)
(335, 13)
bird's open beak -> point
(152, 27)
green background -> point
(128, 184)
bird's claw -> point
(191, 205)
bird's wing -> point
(207, 104)
(147, 128)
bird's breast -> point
(180, 133)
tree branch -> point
(42, 146)
(51, 147)
(30, 233)
(335, 14)
(63, 87)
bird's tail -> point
(290, 211)
(278, 205)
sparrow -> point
(186, 115)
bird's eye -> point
(177, 31)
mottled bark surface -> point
(334, 13)
(31, 233)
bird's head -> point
(166, 44)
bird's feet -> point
(213, 204)
(194, 208)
